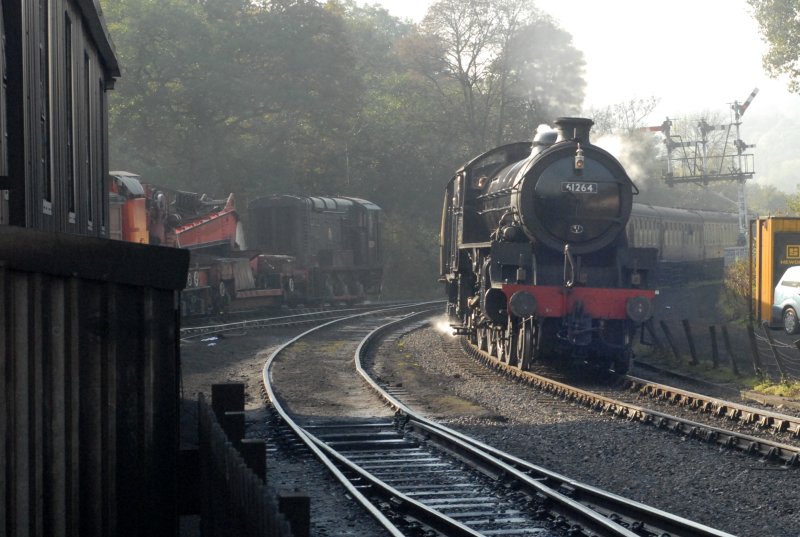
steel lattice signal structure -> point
(719, 155)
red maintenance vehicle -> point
(305, 250)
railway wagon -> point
(336, 243)
(297, 249)
(534, 257)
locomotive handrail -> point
(568, 283)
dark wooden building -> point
(89, 354)
(57, 64)
(89, 383)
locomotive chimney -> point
(574, 128)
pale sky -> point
(695, 56)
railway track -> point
(703, 417)
(417, 476)
(198, 328)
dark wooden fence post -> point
(775, 354)
(797, 344)
(712, 331)
(671, 341)
(226, 398)
(690, 339)
(751, 333)
(233, 425)
(254, 453)
(189, 481)
(296, 507)
(648, 325)
(727, 340)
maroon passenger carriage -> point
(534, 255)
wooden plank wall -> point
(89, 379)
(56, 116)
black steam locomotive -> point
(534, 255)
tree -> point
(768, 200)
(333, 98)
(779, 21)
(623, 117)
(232, 95)
(494, 62)
(545, 73)
(793, 203)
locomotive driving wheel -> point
(472, 329)
(526, 339)
(511, 341)
(502, 345)
(483, 338)
(492, 341)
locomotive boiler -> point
(534, 255)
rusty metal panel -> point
(89, 358)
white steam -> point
(442, 325)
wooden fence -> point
(746, 349)
(234, 499)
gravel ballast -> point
(723, 489)
(728, 490)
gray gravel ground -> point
(290, 468)
(727, 490)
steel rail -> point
(189, 332)
(769, 449)
(542, 481)
(415, 508)
(307, 437)
(781, 423)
